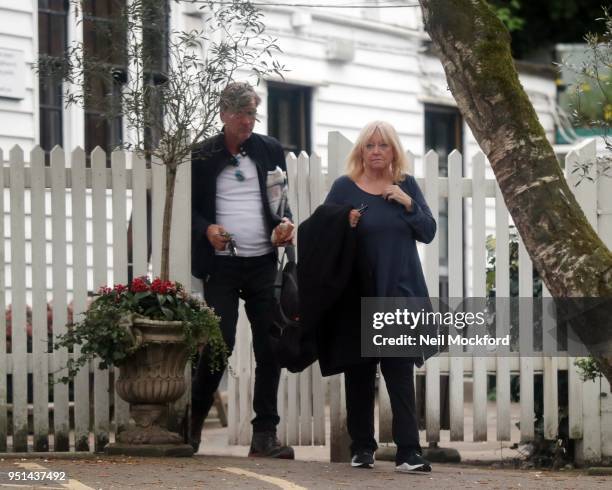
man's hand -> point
(282, 235)
(217, 236)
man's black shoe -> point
(266, 445)
(413, 462)
(363, 459)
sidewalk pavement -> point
(216, 472)
(214, 440)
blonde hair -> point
(399, 164)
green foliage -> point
(539, 25)
(513, 265)
(591, 100)
(589, 368)
(105, 331)
(509, 14)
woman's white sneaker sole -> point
(408, 468)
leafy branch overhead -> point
(162, 84)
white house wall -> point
(19, 118)
(391, 77)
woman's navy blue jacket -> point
(207, 162)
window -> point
(52, 32)
(104, 41)
(289, 116)
(156, 15)
(443, 134)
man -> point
(233, 254)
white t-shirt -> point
(240, 210)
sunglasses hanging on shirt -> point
(238, 172)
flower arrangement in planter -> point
(149, 329)
(107, 331)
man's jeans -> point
(252, 279)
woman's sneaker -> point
(414, 462)
(363, 459)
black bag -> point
(287, 332)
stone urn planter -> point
(148, 329)
(149, 380)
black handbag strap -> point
(289, 253)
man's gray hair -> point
(236, 96)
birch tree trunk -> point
(474, 48)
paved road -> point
(244, 473)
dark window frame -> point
(50, 109)
(111, 131)
(301, 105)
(457, 135)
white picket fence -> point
(67, 235)
(304, 397)
(66, 231)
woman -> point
(395, 218)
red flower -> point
(120, 288)
(162, 287)
(139, 285)
(104, 290)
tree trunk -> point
(167, 221)
(474, 47)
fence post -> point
(604, 230)
(588, 449)
(3, 356)
(432, 278)
(79, 286)
(100, 273)
(18, 304)
(338, 148)
(40, 360)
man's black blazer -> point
(208, 160)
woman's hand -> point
(395, 193)
(354, 216)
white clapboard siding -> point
(120, 272)
(60, 299)
(455, 288)
(479, 258)
(18, 292)
(526, 344)
(502, 313)
(40, 368)
(101, 377)
(432, 278)
(3, 356)
(79, 285)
